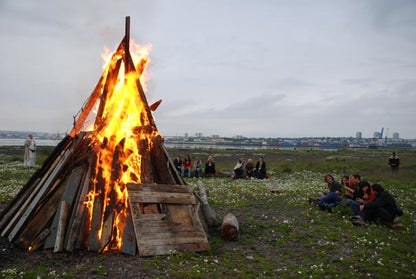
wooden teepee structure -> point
(111, 186)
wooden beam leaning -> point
(55, 168)
(68, 197)
(89, 105)
(75, 231)
(16, 207)
(60, 234)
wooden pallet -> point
(165, 219)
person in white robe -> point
(30, 152)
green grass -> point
(281, 235)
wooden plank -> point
(38, 196)
(173, 249)
(161, 197)
(175, 239)
(37, 242)
(180, 214)
(95, 223)
(69, 195)
(106, 232)
(17, 216)
(159, 188)
(161, 173)
(175, 230)
(169, 234)
(41, 218)
(79, 212)
(60, 234)
(151, 217)
(29, 188)
(129, 238)
(89, 105)
(97, 211)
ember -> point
(80, 198)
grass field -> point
(281, 235)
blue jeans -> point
(355, 206)
(189, 171)
(331, 199)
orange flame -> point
(118, 133)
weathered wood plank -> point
(30, 203)
(41, 218)
(169, 234)
(107, 229)
(175, 230)
(37, 242)
(129, 238)
(79, 212)
(29, 189)
(159, 188)
(60, 232)
(38, 196)
(172, 240)
(173, 249)
(69, 195)
(161, 197)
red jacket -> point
(187, 164)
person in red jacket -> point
(187, 166)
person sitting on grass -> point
(352, 191)
(328, 201)
(383, 209)
(197, 167)
(210, 167)
(260, 169)
(187, 166)
(344, 184)
(249, 169)
(368, 195)
(239, 169)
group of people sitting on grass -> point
(187, 168)
(370, 203)
(243, 170)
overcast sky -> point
(264, 68)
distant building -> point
(396, 136)
(377, 135)
(198, 135)
(358, 135)
(186, 135)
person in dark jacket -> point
(394, 162)
(178, 163)
(210, 167)
(260, 169)
(327, 201)
(383, 208)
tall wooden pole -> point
(127, 46)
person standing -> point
(30, 152)
(394, 162)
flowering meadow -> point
(280, 235)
